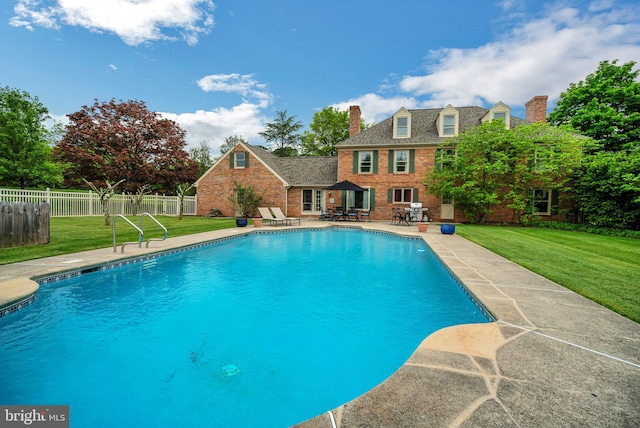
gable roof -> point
(423, 128)
(311, 171)
(300, 170)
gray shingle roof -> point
(423, 128)
(303, 170)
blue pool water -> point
(265, 330)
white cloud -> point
(243, 84)
(213, 126)
(375, 108)
(538, 56)
(134, 21)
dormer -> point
(500, 111)
(402, 124)
(448, 122)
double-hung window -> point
(401, 161)
(402, 126)
(449, 125)
(240, 160)
(444, 159)
(541, 201)
(365, 163)
(402, 195)
(500, 115)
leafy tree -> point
(605, 106)
(25, 150)
(329, 127)
(110, 141)
(493, 165)
(202, 156)
(607, 189)
(281, 133)
(230, 143)
(245, 200)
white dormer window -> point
(402, 124)
(500, 111)
(448, 122)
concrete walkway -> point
(552, 359)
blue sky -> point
(222, 68)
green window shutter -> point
(414, 195)
(412, 160)
(529, 207)
(391, 159)
(355, 161)
(344, 200)
(389, 195)
(375, 161)
(246, 159)
(372, 199)
(554, 201)
(231, 156)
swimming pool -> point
(264, 330)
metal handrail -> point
(140, 233)
(166, 233)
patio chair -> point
(279, 215)
(365, 213)
(353, 214)
(397, 216)
(266, 215)
(326, 215)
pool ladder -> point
(140, 232)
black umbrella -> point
(346, 185)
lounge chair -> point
(266, 215)
(279, 215)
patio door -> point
(446, 207)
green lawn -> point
(74, 234)
(604, 269)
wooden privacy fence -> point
(23, 224)
(67, 204)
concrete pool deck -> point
(552, 358)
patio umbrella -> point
(346, 185)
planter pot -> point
(257, 222)
(422, 227)
(241, 222)
(448, 229)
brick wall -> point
(215, 188)
(536, 109)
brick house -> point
(388, 160)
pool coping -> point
(551, 358)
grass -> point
(601, 268)
(75, 234)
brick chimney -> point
(354, 120)
(536, 109)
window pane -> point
(407, 195)
(401, 126)
(401, 160)
(306, 199)
(318, 201)
(240, 160)
(541, 201)
(397, 195)
(449, 125)
(365, 161)
(502, 116)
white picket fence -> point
(67, 204)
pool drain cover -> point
(230, 370)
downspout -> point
(286, 199)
